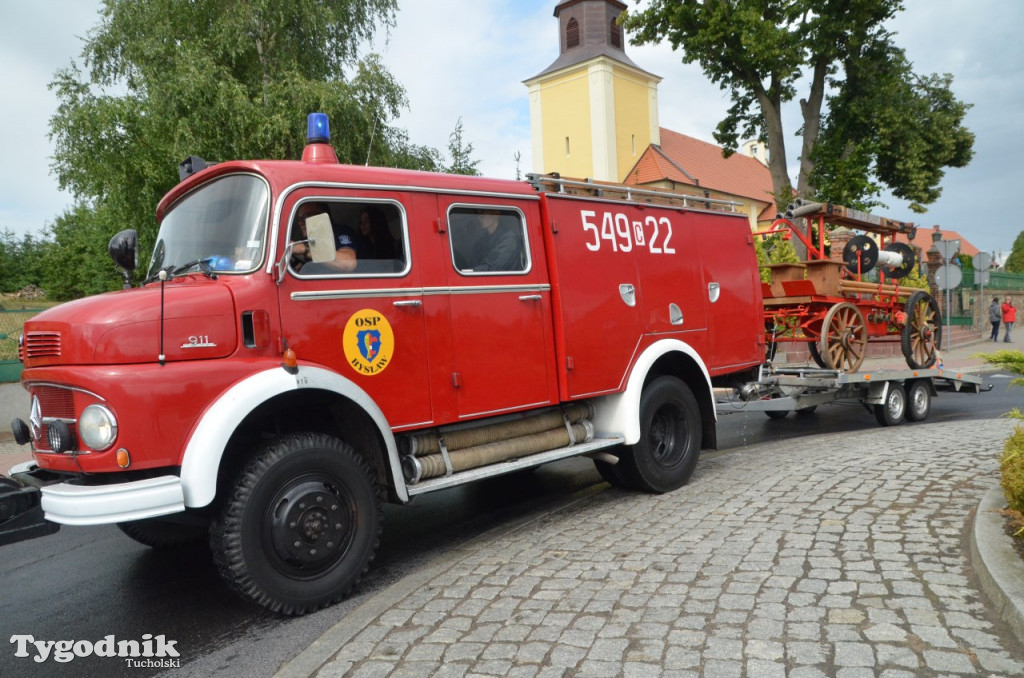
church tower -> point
(593, 112)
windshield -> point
(221, 227)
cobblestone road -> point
(841, 555)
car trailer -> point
(892, 395)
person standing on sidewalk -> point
(995, 316)
(1009, 317)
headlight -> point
(97, 427)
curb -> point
(999, 567)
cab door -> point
(366, 324)
(502, 356)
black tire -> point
(300, 526)
(776, 414)
(670, 435)
(921, 337)
(919, 400)
(894, 409)
(163, 534)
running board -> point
(500, 468)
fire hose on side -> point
(431, 455)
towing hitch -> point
(21, 513)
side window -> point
(370, 238)
(487, 240)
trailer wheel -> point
(670, 435)
(163, 534)
(300, 526)
(922, 334)
(892, 411)
(919, 400)
(776, 414)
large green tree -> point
(22, 262)
(869, 123)
(221, 79)
(1015, 262)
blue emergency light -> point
(318, 130)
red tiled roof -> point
(923, 240)
(685, 160)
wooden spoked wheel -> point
(844, 338)
(922, 334)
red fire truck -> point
(315, 338)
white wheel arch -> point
(209, 439)
(620, 413)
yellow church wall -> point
(632, 120)
(564, 107)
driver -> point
(347, 243)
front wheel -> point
(301, 525)
(670, 434)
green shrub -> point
(1011, 462)
(1011, 466)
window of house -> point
(488, 240)
(370, 238)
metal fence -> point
(997, 280)
(11, 322)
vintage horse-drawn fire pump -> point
(830, 306)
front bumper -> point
(71, 503)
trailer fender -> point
(210, 437)
(619, 414)
(877, 391)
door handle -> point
(409, 302)
(628, 294)
(530, 297)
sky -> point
(466, 59)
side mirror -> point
(321, 238)
(124, 250)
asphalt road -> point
(87, 583)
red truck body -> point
(605, 300)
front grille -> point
(54, 403)
(42, 344)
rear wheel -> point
(670, 434)
(300, 525)
(922, 334)
(919, 400)
(892, 411)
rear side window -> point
(488, 240)
(370, 238)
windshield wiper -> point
(204, 268)
(171, 271)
